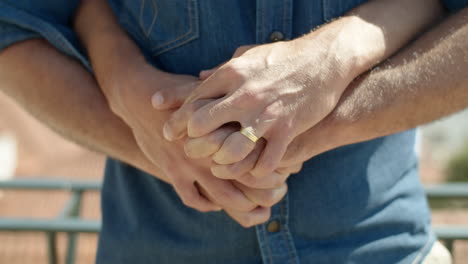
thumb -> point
(172, 98)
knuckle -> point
(265, 217)
(271, 113)
(233, 70)
(188, 202)
(247, 220)
(279, 180)
(297, 169)
(188, 198)
(268, 198)
(195, 203)
(264, 168)
(290, 156)
(204, 209)
(240, 50)
(287, 127)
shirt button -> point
(276, 36)
(273, 227)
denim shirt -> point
(361, 203)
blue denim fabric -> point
(361, 203)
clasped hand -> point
(280, 90)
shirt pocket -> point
(160, 25)
(335, 8)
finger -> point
(290, 170)
(212, 116)
(273, 180)
(190, 196)
(176, 127)
(206, 146)
(205, 74)
(248, 219)
(237, 146)
(226, 194)
(242, 49)
(172, 97)
(218, 85)
(263, 197)
(271, 157)
(233, 171)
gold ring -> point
(248, 132)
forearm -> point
(425, 82)
(111, 51)
(58, 91)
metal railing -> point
(449, 191)
(69, 221)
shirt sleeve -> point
(11, 34)
(455, 5)
(18, 22)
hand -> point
(205, 146)
(246, 205)
(134, 107)
(277, 89)
(328, 134)
(128, 82)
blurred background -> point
(30, 150)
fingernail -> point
(167, 133)
(218, 157)
(158, 100)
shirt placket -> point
(274, 20)
(275, 239)
(274, 23)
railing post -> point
(72, 210)
(52, 247)
(71, 247)
(449, 244)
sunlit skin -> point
(390, 99)
(283, 89)
(244, 198)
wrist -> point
(352, 46)
(358, 45)
(88, 20)
(111, 51)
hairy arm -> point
(58, 91)
(426, 81)
(283, 89)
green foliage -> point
(457, 167)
